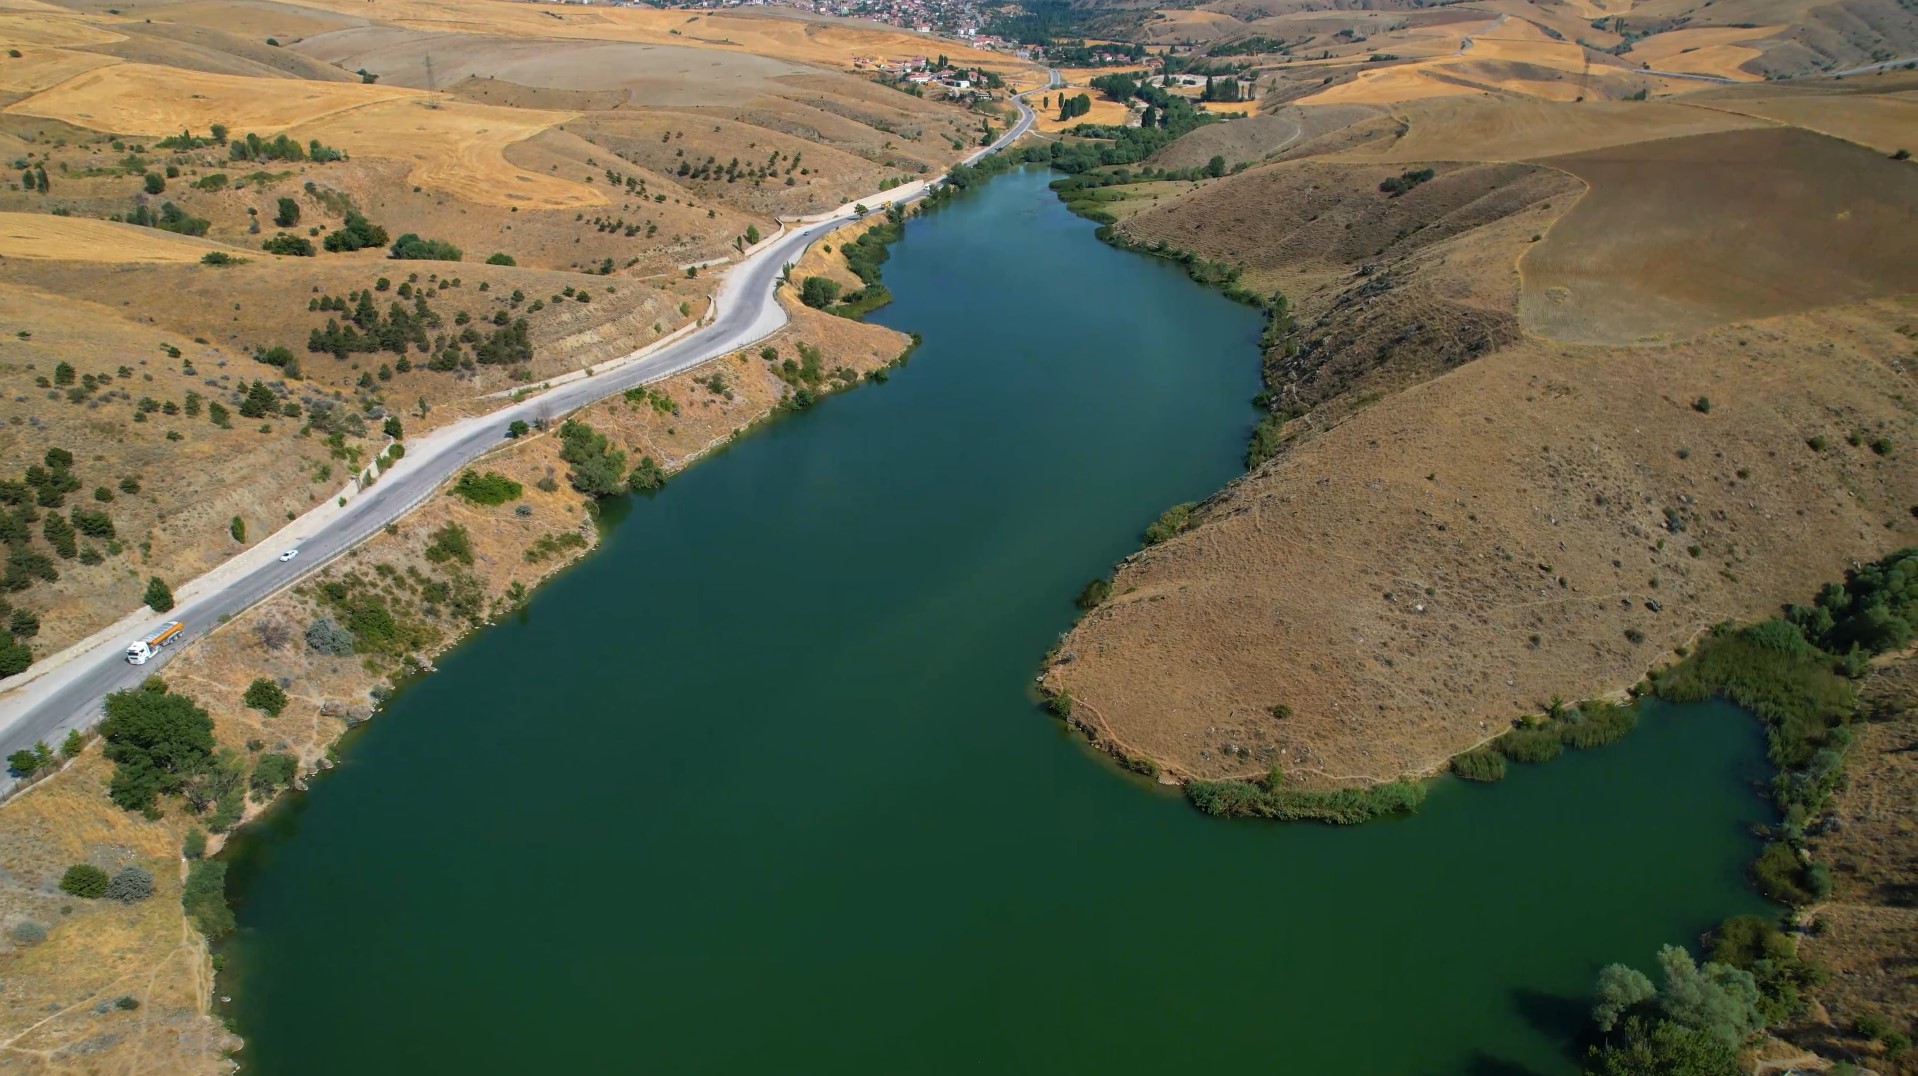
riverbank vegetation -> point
(1796, 673)
(1271, 799)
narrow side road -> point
(65, 691)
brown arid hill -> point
(1866, 933)
(1544, 418)
(1751, 40)
(601, 157)
(442, 571)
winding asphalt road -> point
(68, 695)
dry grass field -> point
(1678, 235)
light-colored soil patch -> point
(1678, 235)
(1713, 50)
(41, 236)
(43, 67)
(1388, 85)
(1516, 129)
(457, 147)
(49, 27)
(150, 100)
(1884, 122)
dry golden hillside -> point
(1596, 377)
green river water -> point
(759, 788)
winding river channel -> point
(758, 788)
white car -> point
(289, 555)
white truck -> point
(144, 648)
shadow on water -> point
(1484, 1064)
(1556, 1016)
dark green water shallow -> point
(758, 788)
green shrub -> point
(1479, 765)
(1530, 745)
(819, 292)
(194, 846)
(1780, 874)
(1172, 522)
(410, 247)
(265, 696)
(204, 898)
(295, 246)
(273, 772)
(84, 880)
(1599, 723)
(491, 488)
(500, 259)
(159, 597)
(1094, 593)
(647, 477)
(450, 543)
(1345, 806)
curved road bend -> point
(68, 696)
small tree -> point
(498, 258)
(159, 596)
(289, 213)
(392, 427)
(818, 292)
(273, 772)
(155, 183)
(518, 428)
(265, 696)
(237, 529)
(84, 880)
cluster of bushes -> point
(128, 885)
(1405, 181)
(1700, 1017)
(370, 621)
(550, 545)
(1480, 764)
(410, 247)
(170, 218)
(355, 233)
(366, 330)
(1271, 799)
(279, 148)
(597, 467)
(1795, 673)
(450, 543)
(36, 498)
(1587, 725)
(1170, 524)
(491, 488)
